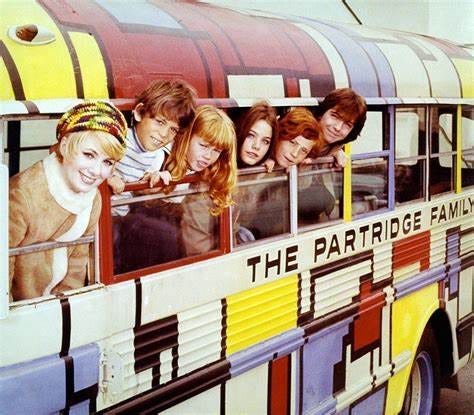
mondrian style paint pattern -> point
(95, 54)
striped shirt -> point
(134, 164)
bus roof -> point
(112, 50)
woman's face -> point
(333, 126)
(201, 154)
(87, 167)
(290, 152)
(257, 143)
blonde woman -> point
(57, 199)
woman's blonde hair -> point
(214, 126)
(107, 143)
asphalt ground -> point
(459, 403)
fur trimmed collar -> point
(72, 201)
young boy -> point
(161, 111)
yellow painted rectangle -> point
(458, 149)
(409, 317)
(34, 63)
(465, 70)
(260, 313)
(6, 91)
(93, 72)
(347, 189)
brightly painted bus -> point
(365, 308)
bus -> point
(365, 308)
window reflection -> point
(262, 207)
(369, 185)
(163, 229)
(467, 157)
(319, 194)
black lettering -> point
(434, 214)
(454, 209)
(442, 214)
(417, 220)
(363, 230)
(394, 229)
(319, 247)
(334, 246)
(274, 263)
(406, 224)
(289, 258)
(377, 232)
(253, 263)
(350, 240)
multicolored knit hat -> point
(93, 115)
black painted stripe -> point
(13, 73)
(222, 402)
(175, 392)
(31, 107)
(138, 302)
(66, 326)
(69, 368)
(223, 327)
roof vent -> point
(31, 34)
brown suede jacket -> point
(35, 216)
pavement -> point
(459, 403)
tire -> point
(422, 392)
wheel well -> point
(439, 322)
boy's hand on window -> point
(116, 184)
(341, 158)
(306, 161)
(269, 164)
(155, 177)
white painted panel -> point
(357, 372)
(305, 291)
(337, 65)
(386, 337)
(30, 332)
(199, 336)
(256, 86)
(166, 367)
(382, 261)
(305, 88)
(337, 289)
(443, 75)
(4, 281)
(410, 74)
(121, 298)
(205, 403)
(465, 292)
(406, 271)
(89, 317)
(247, 393)
(294, 382)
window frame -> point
(425, 157)
(438, 109)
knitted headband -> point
(93, 115)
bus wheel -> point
(422, 394)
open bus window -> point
(27, 142)
(319, 193)
(443, 147)
(159, 229)
(410, 154)
(262, 206)
(467, 155)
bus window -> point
(262, 208)
(441, 171)
(370, 165)
(410, 154)
(158, 229)
(319, 193)
(28, 142)
(467, 157)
